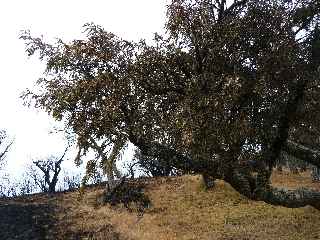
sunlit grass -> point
(183, 209)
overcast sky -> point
(130, 19)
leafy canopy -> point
(230, 82)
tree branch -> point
(249, 187)
(178, 160)
(286, 117)
(292, 198)
(234, 6)
(302, 152)
(5, 151)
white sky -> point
(130, 19)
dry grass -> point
(292, 181)
(183, 209)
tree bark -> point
(241, 179)
(302, 152)
(261, 190)
(108, 162)
(292, 198)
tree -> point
(50, 169)
(105, 154)
(295, 165)
(152, 166)
(315, 174)
(4, 146)
(71, 182)
(231, 86)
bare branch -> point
(5, 151)
(47, 167)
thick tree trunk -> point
(262, 190)
(116, 171)
(292, 198)
(111, 171)
(108, 162)
(302, 152)
(241, 179)
(241, 182)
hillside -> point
(181, 209)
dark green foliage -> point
(127, 193)
(155, 166)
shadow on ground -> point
(40, 217)
(27, 221)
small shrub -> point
(126, 193)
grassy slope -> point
(182, 209)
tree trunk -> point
(292, 198)
(116, 171)
(302, 152)
(241, 179)
(263, 191)
(315, 174)
(111, 183)
(52, 188)
(208, 181)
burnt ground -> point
(25, 220)
(38, 217)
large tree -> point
(230, 86)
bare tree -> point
(4, 146)
(50, 169)
(71, 182)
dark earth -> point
(34, 217)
